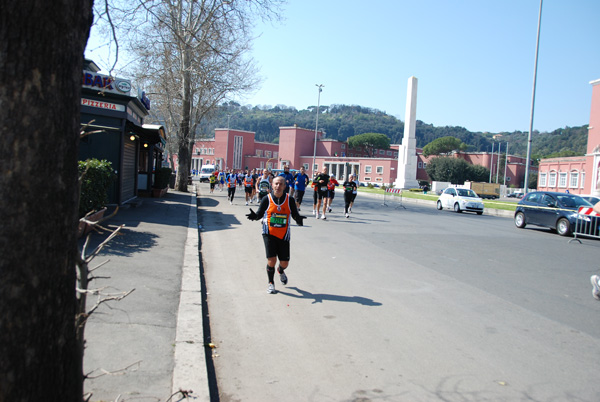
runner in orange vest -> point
(275, 210)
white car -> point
(460, 199)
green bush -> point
(96, 177)
(162, 177)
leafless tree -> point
(192, 54)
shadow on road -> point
(319, 297)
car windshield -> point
(573, 201)
(466, 193)
(207, 170)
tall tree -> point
(41, 60)
(193, 54)
(443, 145)
(370, 141)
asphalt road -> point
(400, 304)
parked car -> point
(460, 199)
(557, 211)
(592, 200)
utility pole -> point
(320, 86)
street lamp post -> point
(320, 86)
(537, 48)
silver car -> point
(460, 199)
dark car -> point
(592, 200)
(557, 211)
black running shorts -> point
(276, 247)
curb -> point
(189, 371)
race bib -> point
(323, 188)
(278, 221)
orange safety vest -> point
(276, 221)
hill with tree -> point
(340, 122)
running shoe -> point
(246, 202)
(347, 215)
(283, 277)
(271, 289)
(595, 279)
(329, 210)
(323, 217)
(314, 212)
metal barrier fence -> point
(395, 193)
(586, 224)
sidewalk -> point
(150, 344)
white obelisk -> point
(407, 155)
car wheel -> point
(563, 227)
(457, 208)
(439, 206)
(520, 220)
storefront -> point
(114, 123)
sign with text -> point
(105, 83)
(102, 105)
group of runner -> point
(257, 186)
(279, 199)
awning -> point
(151, 134)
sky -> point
(474, 59)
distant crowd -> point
(256, 186)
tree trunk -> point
(183, 156)
(40, 83)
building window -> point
(259, 152)
(343, 146)
(562, 179)
(379, 179)
(574, 180)
(381, 152)
(395, 154)
(305, 166)
(389, 153)
(552, 179)
(543, 179)
(367, 179)
(379, 169)
(582, 181)
(424, 165)
(267, 154)
(275, 154)
(368, 169)
(420, 165)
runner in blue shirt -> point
(300, 182)
(289, 178)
